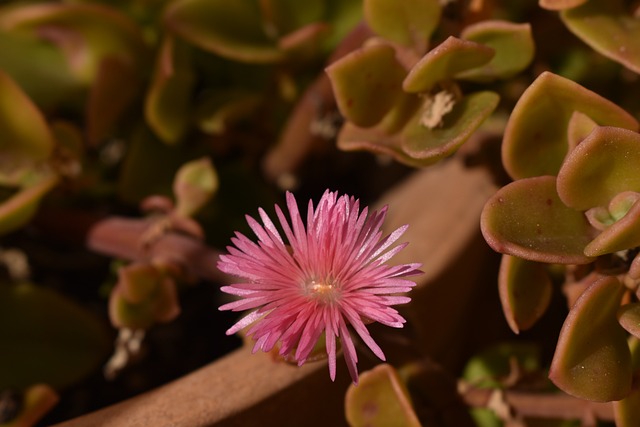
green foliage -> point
(47, 338)
(380, 399)
(592, 359)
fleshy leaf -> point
(17, 210)
(601, 166)
(194, 185)
(285, 16)
(37, 401)
(529, 149)
(376, 140)
(416, 145)
(608, 28)
(159, 306)
(488, 368)
(367, 83)
(452, 56)
(579, 127)
(512, 43)
(223, 109)
(629, 318)
(114, 89)
(37, 323)
(623, 234)
(379, 400)
(527, 219)
(525, 291)
(560, 4)
(138, 282)
(25, 137)
(425, 144)
(167, 105)
(232, 29)
(409, 23)
(627, 411)
(40, 69)
(592, 359)
(85, 33)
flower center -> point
(324, 289)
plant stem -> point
(540, 405)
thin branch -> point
(122, 238)
(540, 405)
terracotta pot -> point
(442, 204)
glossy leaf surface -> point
(25, 137)
(592, 359)
(527, 219)
(603, 165)
(629, 318)
(367, 83)
(19, 208)
(621, 235)
(167, 104)
(443, 62)
(38, 325)
(379, 400)
(525, 291)
(468, 113)
(408, 23)
(513, 45)
(530, 149)
(608, 28)
(230, 29)
(416, 145)
(85, 33)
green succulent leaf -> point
(158, 306)
(560, 4)
(285, 16)
(450, 58)
(417, 145)
(592, 359)
(409, 23)
(194, 185)
(529, 149)
(140, 178)
(608, 28)
(367, 83)
(579, 127)
(488, 368)
(380, 399)
(25, 137)
(528, 220)
(376, 140)
(85, 33)
(525, 290)
(429, 145)
(40, 69)
(623, 234)
(224, 108)
(47, 338)
(629, 318)
(513, 45)
(114, 89)
(627, 411)
(167, 104)
(232, 29)
(18, 209)
(603, 165)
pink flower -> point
(330, 275)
